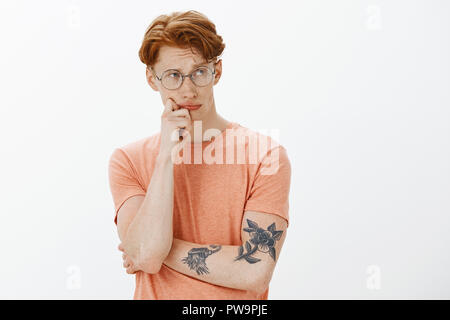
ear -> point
(218, 73)
(151, 80)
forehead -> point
(182, 59)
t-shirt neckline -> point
(230, 125)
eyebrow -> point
(194, 66)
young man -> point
(197, 226)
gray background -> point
(358, 91)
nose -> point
(188, 88)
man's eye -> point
(199, 72)
(174, 75)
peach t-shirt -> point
(209, 199)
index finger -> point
(170, 106)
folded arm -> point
(246, 267)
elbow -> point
(260, 282)
(152, 264)
(153, 268)
(148, 260)
(262, 286)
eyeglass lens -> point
(173, 79)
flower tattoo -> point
(262, 240)
(197, 256)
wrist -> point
(164, 157)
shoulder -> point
(141, 148)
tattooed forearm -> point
(262, 240)
(197, 256)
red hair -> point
(190, 29)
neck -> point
(212, 120)
(218, 123)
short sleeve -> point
(123, 181)
(270, 190)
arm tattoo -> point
(263, 241)
(196, 258)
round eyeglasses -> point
(172, 79)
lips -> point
(190, 106)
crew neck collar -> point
(230, 125)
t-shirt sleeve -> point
(270, 190)
(123, 180)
